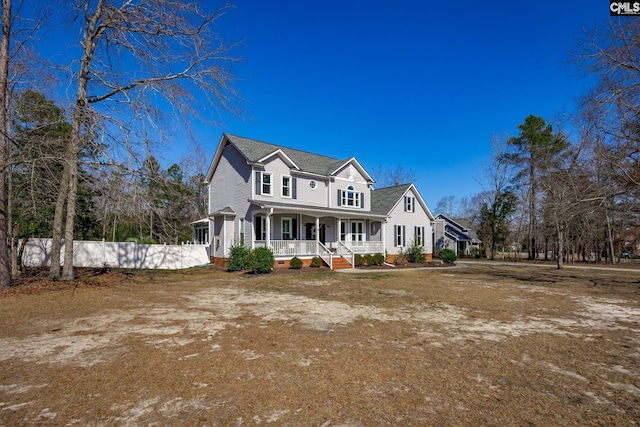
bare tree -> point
(389, 177)
(5, 269)
(134, 56)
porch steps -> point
(340, 263)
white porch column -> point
(317, 229)
(384, 236)
(224, 236)
(267, 227)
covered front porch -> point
(331, 236)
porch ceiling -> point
(316, 211)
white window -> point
(399, 235)
(409, 204)
(418, 235)
(350, 198)
(266, 183)
(312, 184)
(241, 231)
(343, 231)
(286, 228)
(286, 186)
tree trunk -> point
(56, 242)
(73, 147)
(560, 245)
(15, 241)
(610, 235)
(5, 270)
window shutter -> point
(405, 203)
(395, 235)
(413, 205)
(362, 200)
(294, 226)
(404, 239)
(339, 197)
(258, 183)
(294, 188)
(424, 238)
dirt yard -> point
(469, 345)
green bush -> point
(239, 259)
(368, 259)
(316, 262)
(295, 263)
(359, 260)
(414, 253)
(261, 260)
(378, 258)
(448, 256)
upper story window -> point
(409, 204)
(286, 186)
(312, 184)
(351, 198)
(264, 183)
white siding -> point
(418, 218)
(230, 185)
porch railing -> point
(291, 247)
(326, 255)
(364, 247)
(309, 247)
(346, 253)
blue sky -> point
(420, 84)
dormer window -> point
(409, 204)
(350, 198)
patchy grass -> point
(474, 345)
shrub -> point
(400, 258)
(368, 259)
(261, 260)
(295, 263)
(316, 262)
(358, 260)
(239, 259)
(414, 253)
(378, 258)
(448, 256)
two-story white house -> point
(305, 205)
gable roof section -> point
(459, 228)
(256, 152)
(383, 200)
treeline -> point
(135, 76)
(147, 204)
(571, 192)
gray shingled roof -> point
(383, 199)
(308, 162)
(471, 232)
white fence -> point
(37, 253)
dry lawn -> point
(472, 345)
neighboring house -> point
(305, 205)
(455, 234)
